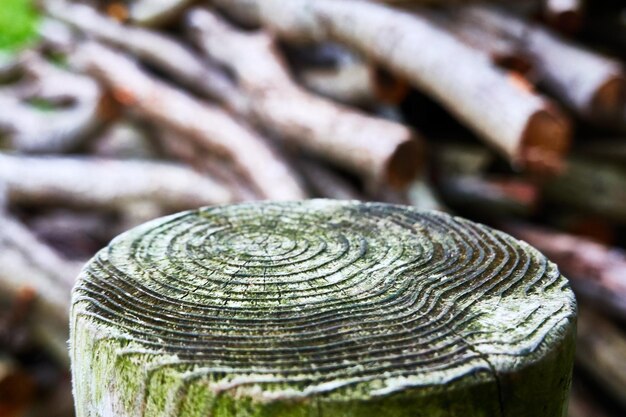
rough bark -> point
(320, 308)
(379, 150)
(209, 126)
(106, 184)
(519, 123)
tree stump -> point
(320, 309)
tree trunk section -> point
(320, 308)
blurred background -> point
(112, 113)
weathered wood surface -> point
(320, 308)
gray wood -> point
(320, 308)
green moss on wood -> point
(320, 309)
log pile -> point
(509, 113)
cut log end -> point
(545, 141)
(609, 100)
(321, 308)
(405, 164)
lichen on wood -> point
(320, 308)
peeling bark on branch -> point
(591, 84)
(209, 126)
(106, 184)
(381, 151)
(519, 123)
(154, 48)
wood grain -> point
(320, 308)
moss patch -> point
(18, 24)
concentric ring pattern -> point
(340, 299)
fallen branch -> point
(154, 48)
(519, 123)
(380, 151)
(55, 36)
(209, 126)
(75, 100)
(597, 272)
(45, 81)
(589, 83)
(502, 51)
(29, 264)
(31, 130)
(106, 184)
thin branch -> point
(76, 116)
(106, 184)
(154, 48)
(209, 126)
(519, 123)
(591, 84)
(381, 151)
